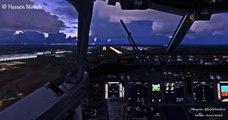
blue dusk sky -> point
(56, 22)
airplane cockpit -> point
(127, 60)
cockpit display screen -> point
(223, 91)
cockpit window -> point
(213, 32)
(33, 39)
(147, 27)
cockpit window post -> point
(85, 10)
(180, 33)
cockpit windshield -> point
(147, 27)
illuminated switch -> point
(170, 73)
(167, 84)
(218, 77)
(128, 77)
(172, 84)
(122, 77)
(172, 88)
(212, 77)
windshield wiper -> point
(130, 38)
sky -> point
(56, 22)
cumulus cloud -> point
(218, 25)
(28, 20)
(166, 28)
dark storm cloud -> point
(29, 37)
(64, 11)
(33, 38)
(28, 20)
(64, 8)
(69, 15)
(7, 37)
(67, 12)
(45, 4)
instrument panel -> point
(154, 91)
